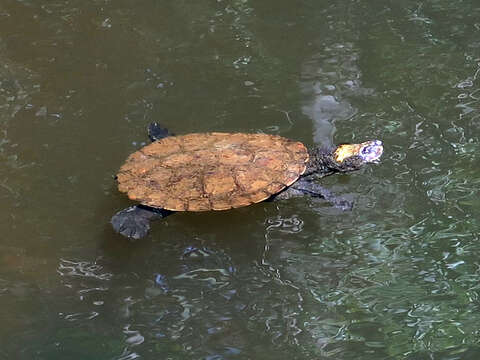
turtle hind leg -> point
(157, 132)
(134, 222)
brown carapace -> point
(211, 171)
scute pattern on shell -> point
(211, 171)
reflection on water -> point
(327, 78)
(395, 278)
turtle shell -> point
(211, 171)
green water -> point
(396, 278)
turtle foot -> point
(134, 222)
(157, 132)
(130, 223)
(342, 204)
(313, 189)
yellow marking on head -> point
(345, 151)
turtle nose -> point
(373, 151)
(377, 150)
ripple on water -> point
(68, 268)
(89, 282)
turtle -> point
(221, 171)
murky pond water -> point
(398, 277)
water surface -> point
(396, 278)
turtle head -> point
(350, 157)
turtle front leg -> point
(157, 132)
(134, 222)
(306, 187)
